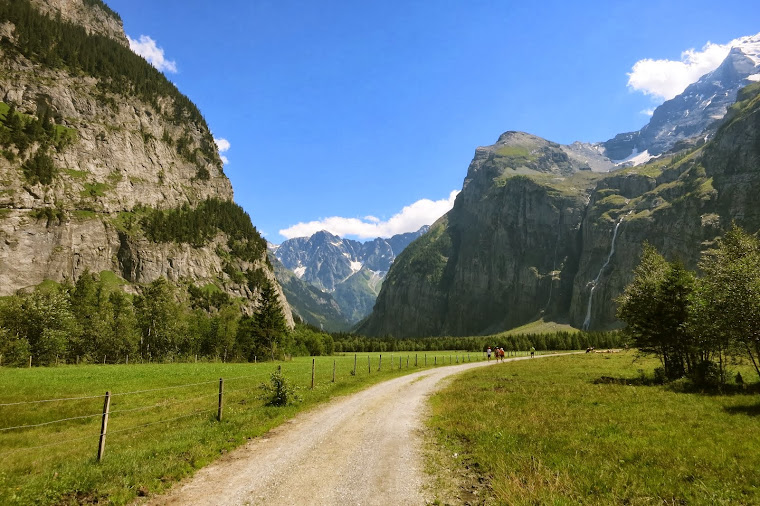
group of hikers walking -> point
(498, 353)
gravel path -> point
(362, 449)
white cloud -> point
(222, 144)
(409, 219)
(648, 112)
(147, 48)
(664, 79)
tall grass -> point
(544, 432)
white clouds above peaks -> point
(223, 145)
(664, 79)
(147, 48)
(409, 219)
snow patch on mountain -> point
(635, 158)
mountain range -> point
(346, 273)
(106, 167)
(541, 230)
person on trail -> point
(501, 354)
(488, 353)
(532, 351)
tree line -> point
(94, 320)
(346, 342)
(199, 225)
(696, 323)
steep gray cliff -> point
(504, 254)
(108, 150)
(527, 238)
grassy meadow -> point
(587, 429)
(162, 424)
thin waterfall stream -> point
(587, 321)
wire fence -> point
(143, 408)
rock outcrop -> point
(116, 153)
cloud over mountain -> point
(409, 219)
(664, 79)
(147, 48)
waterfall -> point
(554, 262)
(587, 321)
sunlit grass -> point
(144, 452)
(542, 432)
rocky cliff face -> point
(114, 154)
(528, 239)
(93, 15)
(504, 254)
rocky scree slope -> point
(103, 159)
(527, 239)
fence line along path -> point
(360, 449)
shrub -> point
(279, 392)
(707, 374)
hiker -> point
(532, 351)
(501, 354)
(488, 352)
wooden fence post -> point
(435, 361)
(104, 426)
(127, 362)
(354, 364)
(313, 368)
(425, 359)
(369, 365)
(415, 360)
(399, 362)
(333, 371)
(407, 361)
(30, 361)
(221, 400)
(380, 362)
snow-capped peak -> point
(750, 46)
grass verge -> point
(544, 432)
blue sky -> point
(362, 117)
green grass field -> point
(544, 432)
(160, 433)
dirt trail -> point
(360, 449)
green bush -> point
(279, 392)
